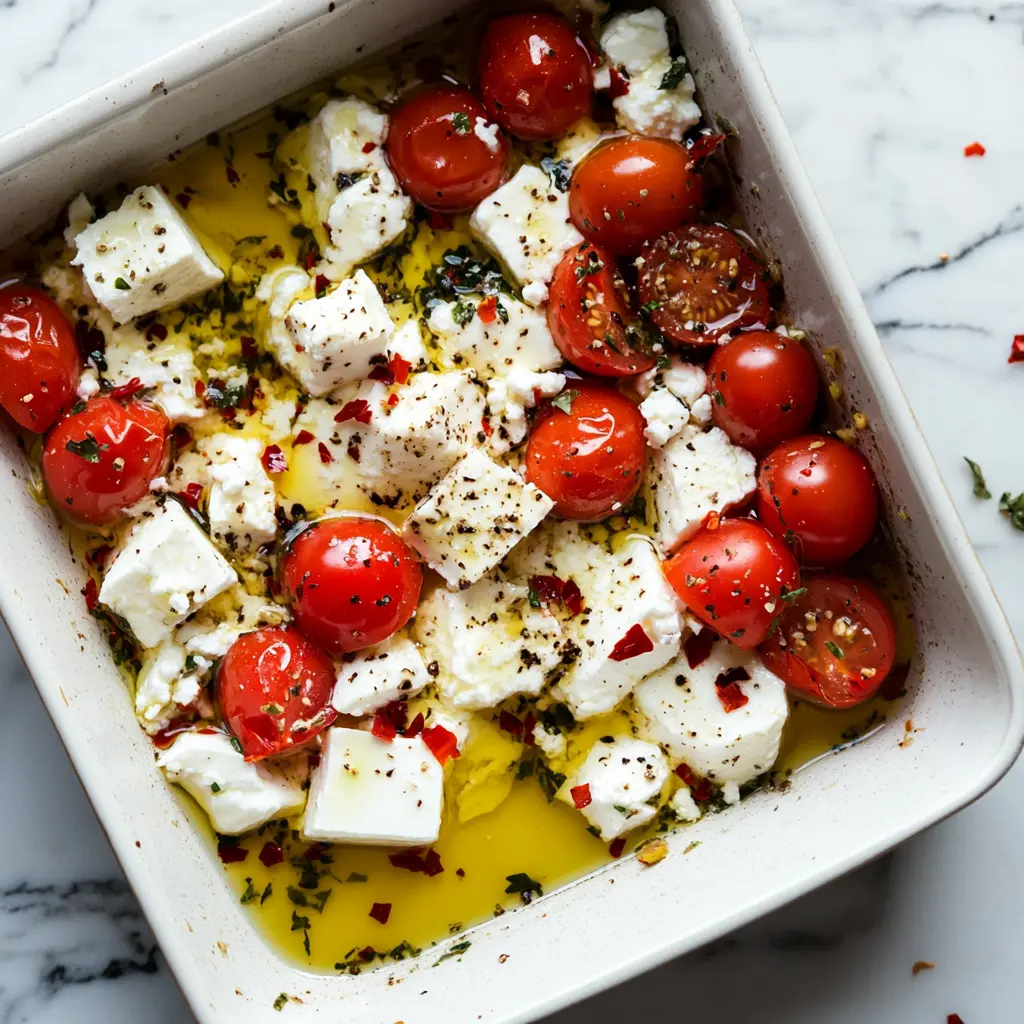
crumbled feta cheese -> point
(684, 806)
(473, 517)
(161, 668)
(369, 791)
(535, 293)
(88, 384)
(208, 636)
(664, 416)
(80, 216)
(508, 399)
(602, 77)
(369, 679)
(550, 744)
(143, 257)
(407, 342)
(165, 570)
(686, 381)
(700, 411)
(487, 133)
(242, 496)
(636, 39)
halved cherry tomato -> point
(702, 281)
(590, 317)
(535, 75)
(352, 582)
(764, 387)
(39, 363)
(836, 642)
(732, 575)
(274, 689)
(437, 156)
(589, 460)
(100, 460)
(820, 495)
(632, 189)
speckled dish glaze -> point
(964, 708)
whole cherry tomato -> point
(100, 460)
(274, 689)
(733, 575)
(435, 151)
(764, 387)
(590, 459)
(836, 642)
(39, 364)
(352, 582)
(535, 75)
(820, 495)
(632, 189)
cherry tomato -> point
(819, 494)
(274, 689)
(590, 318)
(836, 642)
(764, 387)
(437, 156)
(100, 460)
(702, 281)
(39, 364)
(589, 460)
(732, 575)
(631, 189)
(352, 581)
(535, 75)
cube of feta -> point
(686, 716)
(625, 779)
(694, 474)
(164, 688)
(636, 39)
(686, 381)
(525, 223)
(242, 496)
(369, 791)
(165, 570)
(473, 517)
(664, 416)
(238, 795)
(508, 399)
(487, 642)
(143, 257)
(369, 679)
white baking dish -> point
(967, 686)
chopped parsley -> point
(87, 449)
(834, 649)
(462, 273)
(214, 787)
(980, 487)
(461, 123)
(463, 312)
(457, 950)
(650, 307)
(792, 595)
(565, 399)
(533, 597)
(594, 265)
(674, 75)
(522, 885)
(122, 285)
(1014, 508)
(250, 892)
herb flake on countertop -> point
(1014, 508)
(980, 487)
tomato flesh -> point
(732, 575)
(764, 387)
(99, 461)
(836, 642)
(535, 75)
(437, 156)
(820, 495)
(39, 362)
(274, 688)
(702, 281)
(351, 581)
(590, 460)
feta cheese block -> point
(473, 517)
(694, 474)
(664, 416)
(237, 795)
(166, 569)
(143, 257)
(369, 791)
(509, 398)
(164, 687)
(487, 642)
(635, 40)
(525, 223)
(687, 717)
(625, 779)
(242, 496)
(371, 678)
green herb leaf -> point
(834, 649)
(792, 595)
(674, 75)
(355, 876)
(501, 311)
(122, 285)
(86, 449)
(280, 1001)
(533, 597)
(522, 885)
(565, 399)
(718, 397)
(77, 408)
(461, 123)
(463, 312)
(319, 901)
(297, 896)
(457, 950)
(250, 893)
(299, 922)
(267, 893)
(214, 787)
(190, 663)
(980, 487)
(650, 307)
(592, 266)
(1014, 508)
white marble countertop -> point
(881, 96)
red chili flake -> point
(191, 495)
(510, 724)
(442, 743)
(381, 912)
(184, 199)
(633, 644)
(232, 175)
(133, 387)
(388, 720)
(358, 409)
(702, 791)
(432, 863)
(277, 253)
(316, 851)
(392, 401)
(547, 588)
(303, 437)
(954, 1018)
(382, 373)
(165, 737)
(310, 259)
(367, 953)
(321, 284)
(414, 728)
(703, 146)
(581, 796)
(369, 147)
(353, 452)
(974, 149)
(732, 697)
(440, 221)
(697, 647)
(686, 774)
(91, 592)
(181, 436)
(99, 556)
(460, 872)
(485, 426)
(528, 723)
(156, 332)
(273, 459)
(231, 853)
(249, 349)
(572, 597)
(271, 854)
(619, 83)
(616, 847)
(325, 454)
(487, 310)
(400, 367)
(200, 389)
(1017, 349)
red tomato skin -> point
(732, 577)
(352, 582)
(820, 495)
(39, 359)
(632, 189)
(441, 169)
(99, 492)
(764, 388)
(257, 675)
(535, 76)
(568, 457)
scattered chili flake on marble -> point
(1017, 349)
(974, 149)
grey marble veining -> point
(881, 96)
